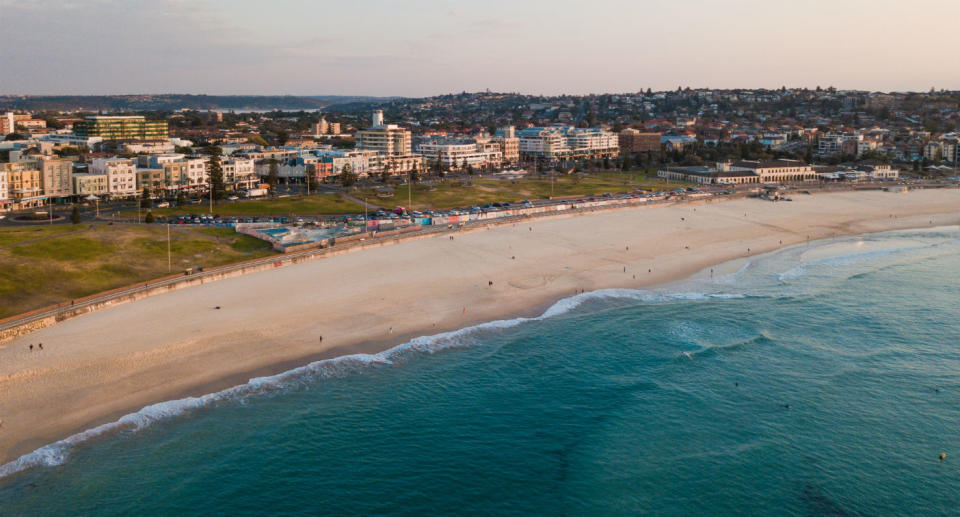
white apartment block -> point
(121, 175)
(564, 142)
(389, 139)
(240, 173)
(457, 154)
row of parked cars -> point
(217, 219)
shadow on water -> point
(819, 505)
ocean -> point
(822, 379)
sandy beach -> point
(99, 366)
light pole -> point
(169, 263)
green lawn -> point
(439, 197)
(591, 184)
(49, 265)
(298, 205)
(18, 234)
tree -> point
(149, 219)
(627, 162)
(181, 199)
(310, 179)
(273, 176)
(415, 174)
(145, 200)
(470, 170)
(258, 140)
(15, 136)
(216, 184)
(347, 177)
(75, 215)
(282, 137)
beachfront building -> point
(778, 171)
(24, 184)
(121, 175)
(56, 176)
(178, 172)
(559, 143)
(459, 153)
(720, 174)
(87, 184)
(392, 144)
(134, 127)
(239, 173)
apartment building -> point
(564, 142)
(392, 144)
(90, 184)
(121, 175)
(7, 123)
(4, 191)
(326, 128)
(635, 141)
(239, 173)
(388, 139)
(24, 184)
(458, 153)
(506, 138)
(57, 176)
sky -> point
(419, 48)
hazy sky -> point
(427, 47)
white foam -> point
(56, 453)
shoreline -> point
(147, 371)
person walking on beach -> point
(41, 346)
(31, 347)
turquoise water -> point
(820, 380)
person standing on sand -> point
(41, 346)
(31, 347)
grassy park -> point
(479, 191)
(280, 206)
(46, 265)
(441, 196)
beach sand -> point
(100, 366)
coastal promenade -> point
(188, 342)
